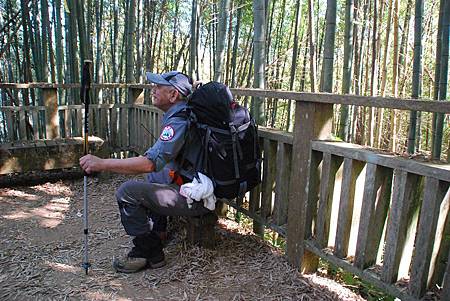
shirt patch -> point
(167, 133)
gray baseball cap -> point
(178, 80)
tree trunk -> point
(162, 22)
(98, 56)
(36, 42)
(193, 41)
(270, 9)
(27, 76)
(88, 20)
(44, 40)
(294, 59)
(393, 113)
(228, 52)
(417, 72)
(235, 47)
(259, 58)
(114, 36)
(312, 45)
(138, 69)
(387, 43)
(247, 59)
(439, 117)
(221, 39)
(213, 44)
(374, 75)
(295, 46)
(130, 41)
(404, 48)
(51, 50)
(347, 67)
(72, 50)
(328, 53)
(380, 112)
(151, 16)
(82, 36)
(174, 66)
(58, 42)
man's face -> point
(164, 97)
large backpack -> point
(230, 154)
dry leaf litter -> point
(42, 249)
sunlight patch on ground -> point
(99, 295)
(61, 267)
(17, 194)
(50, 215)
(328, 284)
(55, 189)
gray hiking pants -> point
(138, 200)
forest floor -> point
(41, 250)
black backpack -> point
(230, 154)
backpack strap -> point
(235, 142)
(205, 151)
(187, 114)
(242, 189)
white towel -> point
(198, 190)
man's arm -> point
(135, 165)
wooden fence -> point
(381, 217)
(114, 122)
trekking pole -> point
(85, 87)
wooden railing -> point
(113, 121)
(389, 223)
(411, 198)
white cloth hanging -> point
(197, 190)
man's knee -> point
(124, 193)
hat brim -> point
(157, 79)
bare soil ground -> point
(41, 250)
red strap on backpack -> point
(176, 178)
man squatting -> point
(144, 205)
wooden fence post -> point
(50, 96)
(446, 285)
(135, 96)
(312, 121)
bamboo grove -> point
(363, 47)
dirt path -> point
(41, 251)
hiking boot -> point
(147, 252)
(129, 264)
(157, 261)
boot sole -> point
(156, 265)
(128, 271)
(149, 265)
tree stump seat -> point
(201, 230)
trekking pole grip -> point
(86, 79)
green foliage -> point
(352, 282)
(158, 49)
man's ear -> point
(175, 96)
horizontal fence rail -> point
(382, 217)
(425, 105)
(366, 101)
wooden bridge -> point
(381, 217)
